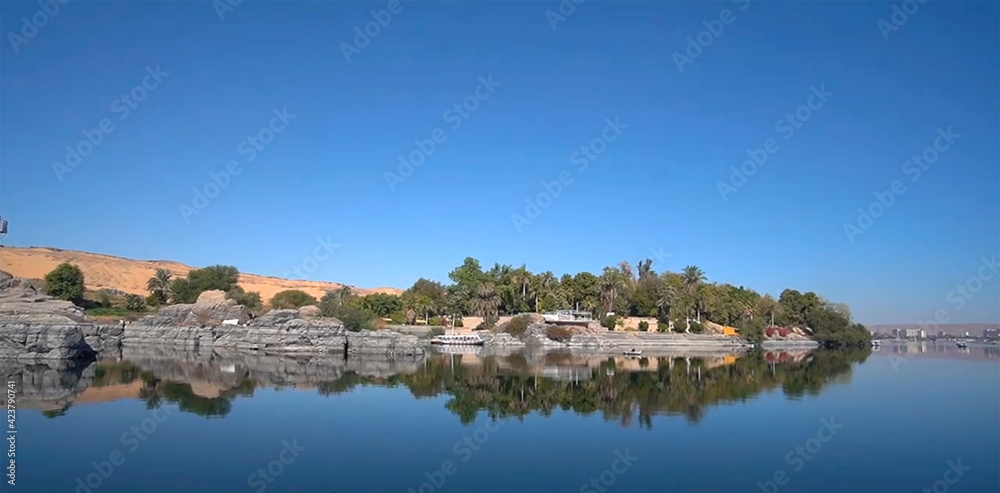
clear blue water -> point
(711, 425)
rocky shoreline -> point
(36, 328)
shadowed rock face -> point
(36, 327)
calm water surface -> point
(892, 420)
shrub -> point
(436, 320)
(662, 327)
(105, 297)
(609, 322)
(516, 326)
(135, 303)
(153, 300)
(292, 298)
(65, 282)
(643, 325)
(354, 318)
(697, 328)
(458, 322)
(221, 277)
(250, 299)
(557, 333)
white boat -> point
(458, 340)
(632, 352)
(568, 317)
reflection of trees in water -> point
(684, 387)
(506, 387)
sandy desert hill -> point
(105, 271)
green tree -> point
(612, 283)
(383, 304)
(181, 291)
(220, 277)
(291, 298)
(693, 279)
(159, 285)
(65, 282)
(486, 302)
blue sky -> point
(654, 188)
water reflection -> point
(505, 384)
(940, 349)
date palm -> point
(694, 277)
(665, 300)
(486, 300)
(611, 284)
(545, 283)
(159, 284)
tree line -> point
(680, 301)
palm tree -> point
(645, 268)
(521, 278)
(693, 279)
(626, 270)
(545, 282)
(611, 284)
(159, 284)
(666, 298)
(486, 301)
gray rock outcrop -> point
(37, 327)
(278, 331)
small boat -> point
(962, 344)
(632, 352)
(458, 340)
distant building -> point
(942, 333)
(966, 333)
(991, 334)
(908, 333)
(922, 334)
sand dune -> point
(104, 271)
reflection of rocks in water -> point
(49, 386)
(503, 383)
